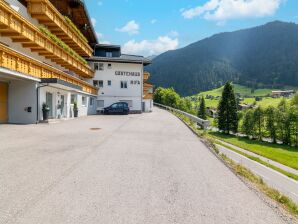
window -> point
(98, 83)
(91, 102)
(129, 102)
(84, 100)
(109, 82)
(123, 84)
(109, 66)
(109, 54)
(100, 103)
(73, 98)
(114, 106)
(98, 66)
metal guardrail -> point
(203, 123)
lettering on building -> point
(122, 73)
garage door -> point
(3, 102)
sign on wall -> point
(121, 73)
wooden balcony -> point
(18, 62)
(147, 91)
(146, 76)
(13, 25)
(47, 14)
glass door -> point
(49, 102)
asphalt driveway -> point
(131, 169)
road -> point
(136, 169)
(273, 178)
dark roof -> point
(107, 46)
(124, 58)
(77, 11)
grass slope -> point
(246, 94)
(280, 153)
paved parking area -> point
(131, 169)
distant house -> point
(243, 106)
(212, 112)
(282, 93)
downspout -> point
(37, 101)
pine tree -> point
(227, 110)
(202, 109)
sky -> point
(151, 27)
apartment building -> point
(121, 78)
(43, 46)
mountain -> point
(259, 57)
(151, 57)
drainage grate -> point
(95, 129)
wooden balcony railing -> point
(13, 25)
(147, 91)
(47, 14)
(146, 76)
(18, 62)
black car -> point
(117, 108)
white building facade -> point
(119, 77)
(34, 70)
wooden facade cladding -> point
(146, 76)
(147, 88)
(47, 14)
(18, 62)
(13, 25)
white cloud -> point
(93, 20)
(153, 21)
(151, 47)
(131, 28)
(223, 10)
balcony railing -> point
(146, 76)
(13, 25)
(18, 62)
(147, 91)
(47, 14)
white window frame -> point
(101, 102)
(98, 66)
(84, 101)
(73, 98)
(96, 83)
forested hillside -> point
(260, 57)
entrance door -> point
(3, 102)
(62, 106)
(49, 102)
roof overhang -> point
(63, 85)
(119, 60)
(7, 74)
